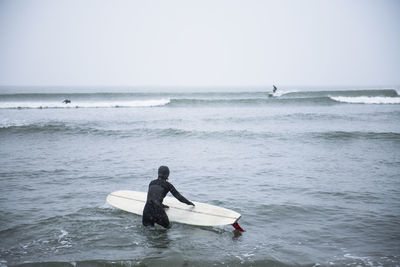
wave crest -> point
(367, 99)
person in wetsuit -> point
(153, 211)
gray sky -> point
(200, 43)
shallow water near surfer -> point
(315, 175)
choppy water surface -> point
(315, 175)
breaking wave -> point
(133, 100)
(368, 99)
(348, 93)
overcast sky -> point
(200, 43)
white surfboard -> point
(201, 214)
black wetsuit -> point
(153, 211)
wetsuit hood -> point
(163, 172)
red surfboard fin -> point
(237, 227)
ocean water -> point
(314, 173)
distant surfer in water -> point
(271, 94)
(67, 101)
(153, 211)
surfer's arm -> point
(178, 196)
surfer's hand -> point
(191, 203)
(165, 206)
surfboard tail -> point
(237, 226)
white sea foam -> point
(81, 104)
(62, 235)
(284, 92)
(367, 99)
(7, 123)
(63, 240)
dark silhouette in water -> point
(153, 211)
(271, 94)
(67, 101)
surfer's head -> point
(163, 172)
